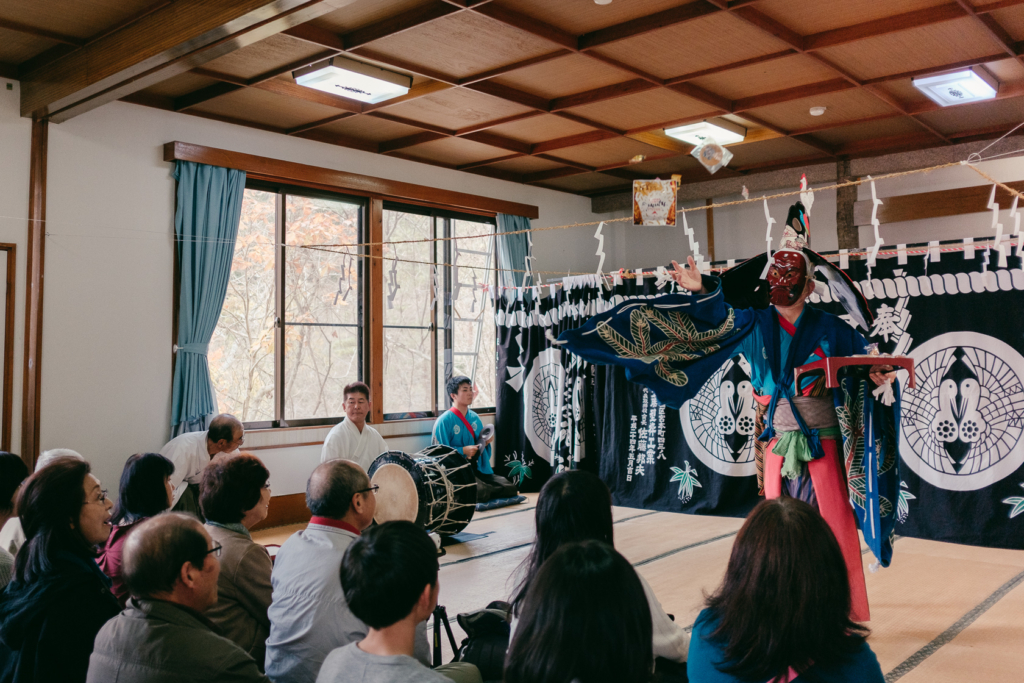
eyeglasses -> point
(374, 488)
(215, 550)
(99, 501)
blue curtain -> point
(205, 224)
(512, 249)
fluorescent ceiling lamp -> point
(352, 79)
(958, 87)
(723, 132)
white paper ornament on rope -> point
(806, 197)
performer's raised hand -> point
(688, 277)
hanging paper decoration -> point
(875, 203)
(654, 202)
(711, 155)
(393, 285)
(694, 244)
(768, 239)
(745, 192)
(1015, 215)
(435, 284)
(344, 283)
(528, 261)
(806, 196)
(997, 227)
(472, 305)
(600, 248)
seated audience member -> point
(353, 439)
(309, 616)
(171, 567)
(390, 580)
(459, 428)
(235, 497)
(11, 534)
(192, 452)
(145, 491)
(12, 472)
(576, 506)
(584, 618)
(58, 600)
(782, 611)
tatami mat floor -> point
(940, 613)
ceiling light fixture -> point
(602, 2)
(817, 111)
(352, 79)
(722, 131)
(958, 87)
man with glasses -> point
(171, 567)
(309, 615)
(192, 452)
(353, 439)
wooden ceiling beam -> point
(206, 94)
(993, 6)
(529, 25)
(409, 141)
(487, 162)
(171, 40)
(647, 24)
(731, 66)
(992, 28)
(562, 172)
(702, 95)
(769, 25)
(559, 160)
(571, 141)
(886, 25)
(607, 92)
(569, 116)
(502, 70)
(8, 70)
(308, 33)
(404, 65)
(935, 69)
(409, 122)
(510, 94)
(814, 142)
(790, 94)
(416, 92)
(497, 173)
(497, 122)
(55, 36)
(338, 139)
(316, 124)
(399, 23)
(843, 124)
(499, 141)
(650, 78)
(300, 92)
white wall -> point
(15, 150)
(108, 299)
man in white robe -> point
(353, 439)
(193, 451)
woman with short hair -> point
(584, 618)
(235, 496)
(782, 612)
(58, 600)
(145, 491)
(577, 506)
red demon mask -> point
(787, 277)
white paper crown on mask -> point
(797, 233)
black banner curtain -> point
(961, 428)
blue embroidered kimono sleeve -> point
(671, 344)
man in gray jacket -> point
(171, 568)
(309, 615)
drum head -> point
(398, 497)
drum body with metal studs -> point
(435, 488)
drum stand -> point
(441, 617)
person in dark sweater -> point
(782, 612)
(145, 491)
(58, 600)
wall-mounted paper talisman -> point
(654, 202)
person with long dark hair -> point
(52, 610)
(13, 472)
(584, 618)
(577, 506)
(145, 491)
(782, 613)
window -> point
(427, 341)
(290, 333)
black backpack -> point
(488, 635)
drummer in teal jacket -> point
(459, 428)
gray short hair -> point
(331, 487)
(46, 457)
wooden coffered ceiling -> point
(556, 93)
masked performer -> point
(829, 447)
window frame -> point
(441, 227)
